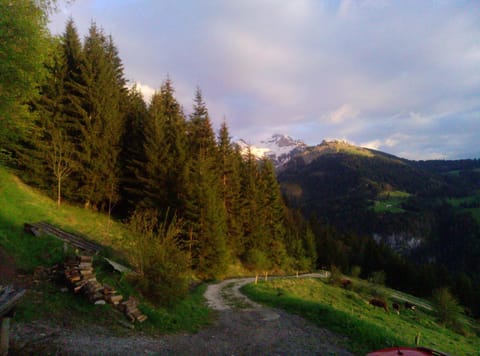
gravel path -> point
(242, 328)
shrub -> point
(377, 277)
(162, 265)
(446, 307)
(356, 271)
(336, 275)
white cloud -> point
(343, 113)
(395, 75)
(146, 90)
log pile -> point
(81, 277)
(131, 310)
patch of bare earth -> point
(7, 268)
(242, 328)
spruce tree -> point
(101, 121)
(272, 210)
(132, 155)
(230, 160)
(162, 174)
(205, 211)
(52, 146)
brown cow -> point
(396, 307)
(346, 283)
(379, 303)
(410, 306)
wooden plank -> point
(118, 267)
(74, 239)
(9, 298)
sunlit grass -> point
(390, 202)
(348, 313)
(20, 204)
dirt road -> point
(242, 328)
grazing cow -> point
(410, 306)
(396, 307)
(346, 283)
(379, 303)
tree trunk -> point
(59, 191)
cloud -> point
(403, 76)
(146, 90)
(343, 113)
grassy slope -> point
(348, 313)
(19, 204)
(390, 202)
(471, 199)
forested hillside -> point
(427, 211)
(91, 140)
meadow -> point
(21, 204)
(347, 312)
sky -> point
(398, 76)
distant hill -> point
(410, 205)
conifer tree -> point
(273, 213)
(162, 174)
(132, 155)
(52, 146)
(230, 161)
(205, 211)
(101, 121)
(254, 232)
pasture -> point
(390, 202)
(470, 203)
(348, 312)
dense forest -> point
(89, 139)
(72, 126)
(423, 216)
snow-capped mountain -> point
(279, 148)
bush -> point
(378, 277)
(356, 271)
(446, 307)
(162, 265)
(336, 275)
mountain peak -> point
(279, 148)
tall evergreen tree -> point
(205, 211)
(162, 174)
(101, 122)
(132, 155)
(273, 213)
(52, 146)
(230, 161)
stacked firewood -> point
(131, 310)
(81, 277)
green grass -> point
(190, 314)
(21, 204)
(390, 202)
(455, 202)
(348, 313)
